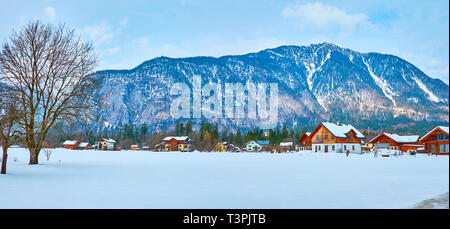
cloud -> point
(99, 33)
(124, 22)
(324, 16)
(113, 50)
(50, 13)
(142, 42)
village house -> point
(396, 142)
(436, 141)
(182, 143)
(221, 147)
(84, 145)
(134, 147)
(287, 146)
(366, 144)
(253, 146)
(265, 145)
(106, 144)
(339, 138)
(160, 147)
(71, 144)
(304, 142)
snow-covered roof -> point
(263, 142)
(134, 145)
(403, 139)
(251, 142)
(341, 130)
(181, 138)
(83, 144)
(286, 144)
(70, 142)
(109, 140)
(443, 128)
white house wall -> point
(338, 148)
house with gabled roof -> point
(71, 144)
(304, 142)
(177, 143)
(106, 144)
(396, 142)
(253, 146)
(340, 138)
(436, 141)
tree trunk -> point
(34, 155)
(4, 158)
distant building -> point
(84, 145)
(366, 145)
(265, 145)
(339, 138)
(396, 142)
(134, 147)
(253, 146)
(71, 144)
(221, 147)
(182, 143)
(287, 146)
(160, 147)
(106, 144)
(304, 142)
(436, 141)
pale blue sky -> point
(126, 33)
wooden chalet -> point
(71, 144)
(304, 142)
(84, 145)
(366, 144)
(173, 143)
(436, 141)
(396, 142)
(106, 144)
(339, 138)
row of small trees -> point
(44, 76)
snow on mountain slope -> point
(316, 82)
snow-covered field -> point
(139, 179)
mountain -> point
(315, 83)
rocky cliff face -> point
(315, 83)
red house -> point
(172, 143)
(436, 141)
(71, 144)
(396, 142)
(305, 141)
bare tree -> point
(47, 153)
(47, 68)
(9, 132)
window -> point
(317, 138)
(319, 148)
(332, 148)
(345, 147)
(442, 137)
(326, 137)
(443, 148)
(353, 147)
